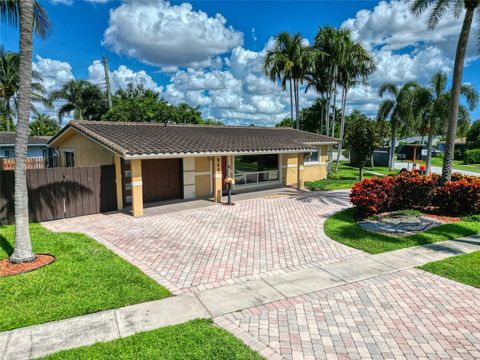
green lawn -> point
(457, 165)
(197, 339)
(86, 277)
(462, 268)
(342, 227)
(345, 177)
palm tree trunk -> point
(391, 160)
(23, 245)
(455, 94)
(291, 100)
(8, 110)
(428, 166)
(342, 125)
(334, 108)
(297, 105)
(327, 114)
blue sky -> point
(209, 54)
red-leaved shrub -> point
(372, 196)
(459, 197)
(412, 190)
(409, 190)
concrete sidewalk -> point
(44, 339)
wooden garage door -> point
(162, 179)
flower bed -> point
(408, 190)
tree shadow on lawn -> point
(5, 245)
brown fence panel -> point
(55, 193)
(7, 211)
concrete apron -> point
(41, 340)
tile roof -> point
(134, 139)
(8, 138)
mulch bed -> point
(9, 269)
(444, 219)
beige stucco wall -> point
(86, 151)
(289, 169)
(311, 172)
(202, 177)
(314, 172)
(317, 171)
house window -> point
(68, 158)
(310, 157)
(253, 169)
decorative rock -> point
(399, 224)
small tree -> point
(364, 136)
(473, 136)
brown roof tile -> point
(150, 139)
(8, 138)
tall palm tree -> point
(288, 62)
(433, 104)
(399, 107)
(438, 9)
(356, 66)
(30, 17)
(10, 81)
(84, 99)
(335, 43)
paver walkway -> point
(371, 307)
(218, 245)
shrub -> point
(460, 197)
(411, 190)
(472, 156)
(372, 196)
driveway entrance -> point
(218, 245)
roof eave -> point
(207, 154)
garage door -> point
(162, 179)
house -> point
(155, 162)
(37, 145)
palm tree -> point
(84, 99)
(439, 8)
(30, 17)
(356, 66)
(399, 107)
(44, 125)
(432, 102)
(289, 61)
(9, 84)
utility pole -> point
(107, 80)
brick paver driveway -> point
(217, 245)
(408, 314)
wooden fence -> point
(57, 193)
(32, 163)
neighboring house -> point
(460, 144)
(155, 162)
(37, 145)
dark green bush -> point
(472, 156)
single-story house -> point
(37, 145)
(155, 162)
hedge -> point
(408, 190)
(472, 156)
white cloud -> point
(404, 48)
(55, 73)
(120, 78)
(158, 33)
(238, 94)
